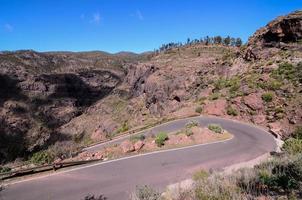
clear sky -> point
(129, 25)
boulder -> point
(216, 107)
(127, 146)
(275, 128)
(285, 29)
(259, 119)
(254, 101)
(138, 145)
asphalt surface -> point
(117, 179)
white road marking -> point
(119, 159)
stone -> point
(127, 146)
(254, 101)
(58, 160)
(275, 128)
(138, 145)
(259, 119)
(216, 107)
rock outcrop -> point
(284, 29)
(283, 32)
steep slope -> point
(42, 91)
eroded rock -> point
(127, 146)
(254, 101)
(216, 107)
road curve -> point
(117, 179)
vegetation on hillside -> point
(207, 40)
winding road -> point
(118, 178)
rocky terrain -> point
(64, 98)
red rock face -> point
(216, 107)
(254, 101)
(284, 29)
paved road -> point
(117, 179)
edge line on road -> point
(116, 160)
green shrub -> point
(5, 169)
(232, 111)
(123, 128)
(146, 193)
(134, 138)
(214, 96)
(272, 85)
(289, 72)
(293, 146)
(188, 132)
(284, 71)
(267, 97)
(215, 127)
(233, 84)
(191, 124)
(298, 133)
(220, 83)
(42, 157)
(200, 175)
(161, 138)
(198, 109)
(77, 138)
(284, 175)
(216, 188)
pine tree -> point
(238, 42)
(227, 41)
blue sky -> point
(129, 25)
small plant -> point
(214, 96)
(198, 109)
(215, 127)
(42, 157)
(232, 111)
(191, 124)
(188, 132)
(200, 175)
(292, 146)
(284, 71)
(145, 193)
(161, 138)
(272, 85)
(298, 133)
(77, 138)
(123, 128)
(267, 97)
(5, 169)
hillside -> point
(73, 99)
